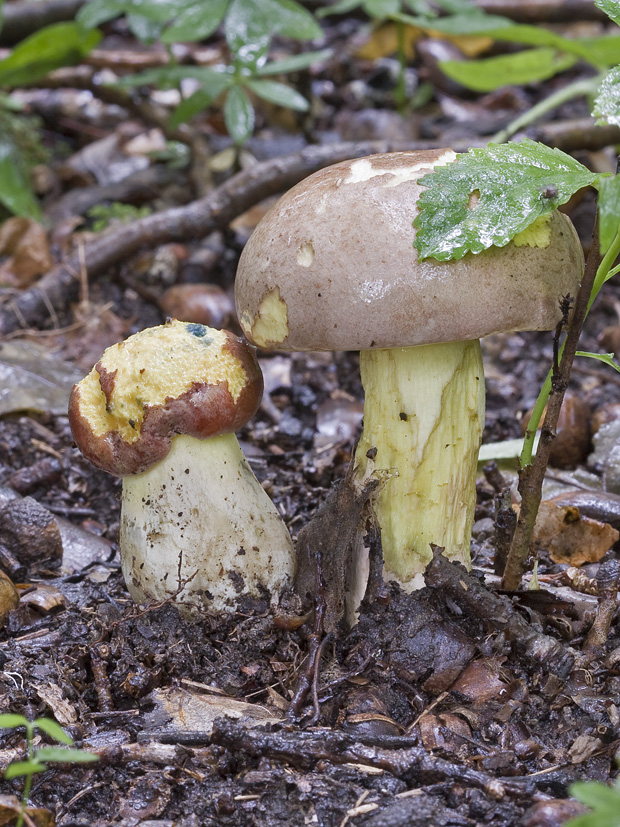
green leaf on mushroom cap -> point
(611, 9)
(489, 195)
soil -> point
(455, 705)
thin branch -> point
(531, 476)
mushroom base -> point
(200, 524)
(424, 414)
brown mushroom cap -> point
(332, 266)
(178, 378)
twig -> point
(451, 579)
(59, 287)
(531, 476)
(607, 579)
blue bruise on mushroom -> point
(200, 331)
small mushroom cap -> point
(178, 378)
(332, 266)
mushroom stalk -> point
(200, 513)
(424, 414)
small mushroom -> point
(160, 409)
(332, 266)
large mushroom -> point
(160, 410)
(332, 266)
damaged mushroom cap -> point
(178, 378)
(332, 266)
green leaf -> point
(100, 11)
(604, 51)
(598, 796)
(518, 69)
(61, 44)
(608, 359)
(200, 100)
(608, 211)
(380, 9)
(65, 756)
(342, 7)
(196, 22)
(458, 24)
(489, 195)
(143, 29)
(238, 115)
(611, 9)
(15, 191)
(278, 93)
(166, 77)
(52, 729)
(294, 63)
(20, 768)
(10, 721)
(1, 6)
(607, 102)
(247, 20)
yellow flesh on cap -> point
(152, 366)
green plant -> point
(248, 27)
(399, 11)
(488, 196)
(61, 44)
(38, 759)
(602, 799)
(549, 54)
(102, 215)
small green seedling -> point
(37, 760)
(603, 800)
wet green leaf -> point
(518, 69)
(196, 21)
(62, 44)
(607, 102)
(611, 9)
(489, 195)
(238, 115)
(15, 191)
(608, 211)
(247, 20)
(278, 93)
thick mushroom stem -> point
(424, 414)
(200, 513)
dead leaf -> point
(33, 379)
(445, 731)
(178, 709)
(45, 598)
(384, 42)
(571, 538)
(10, 808)
(480, 681)
(9, 597)
(27, 244)
(52, 697)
